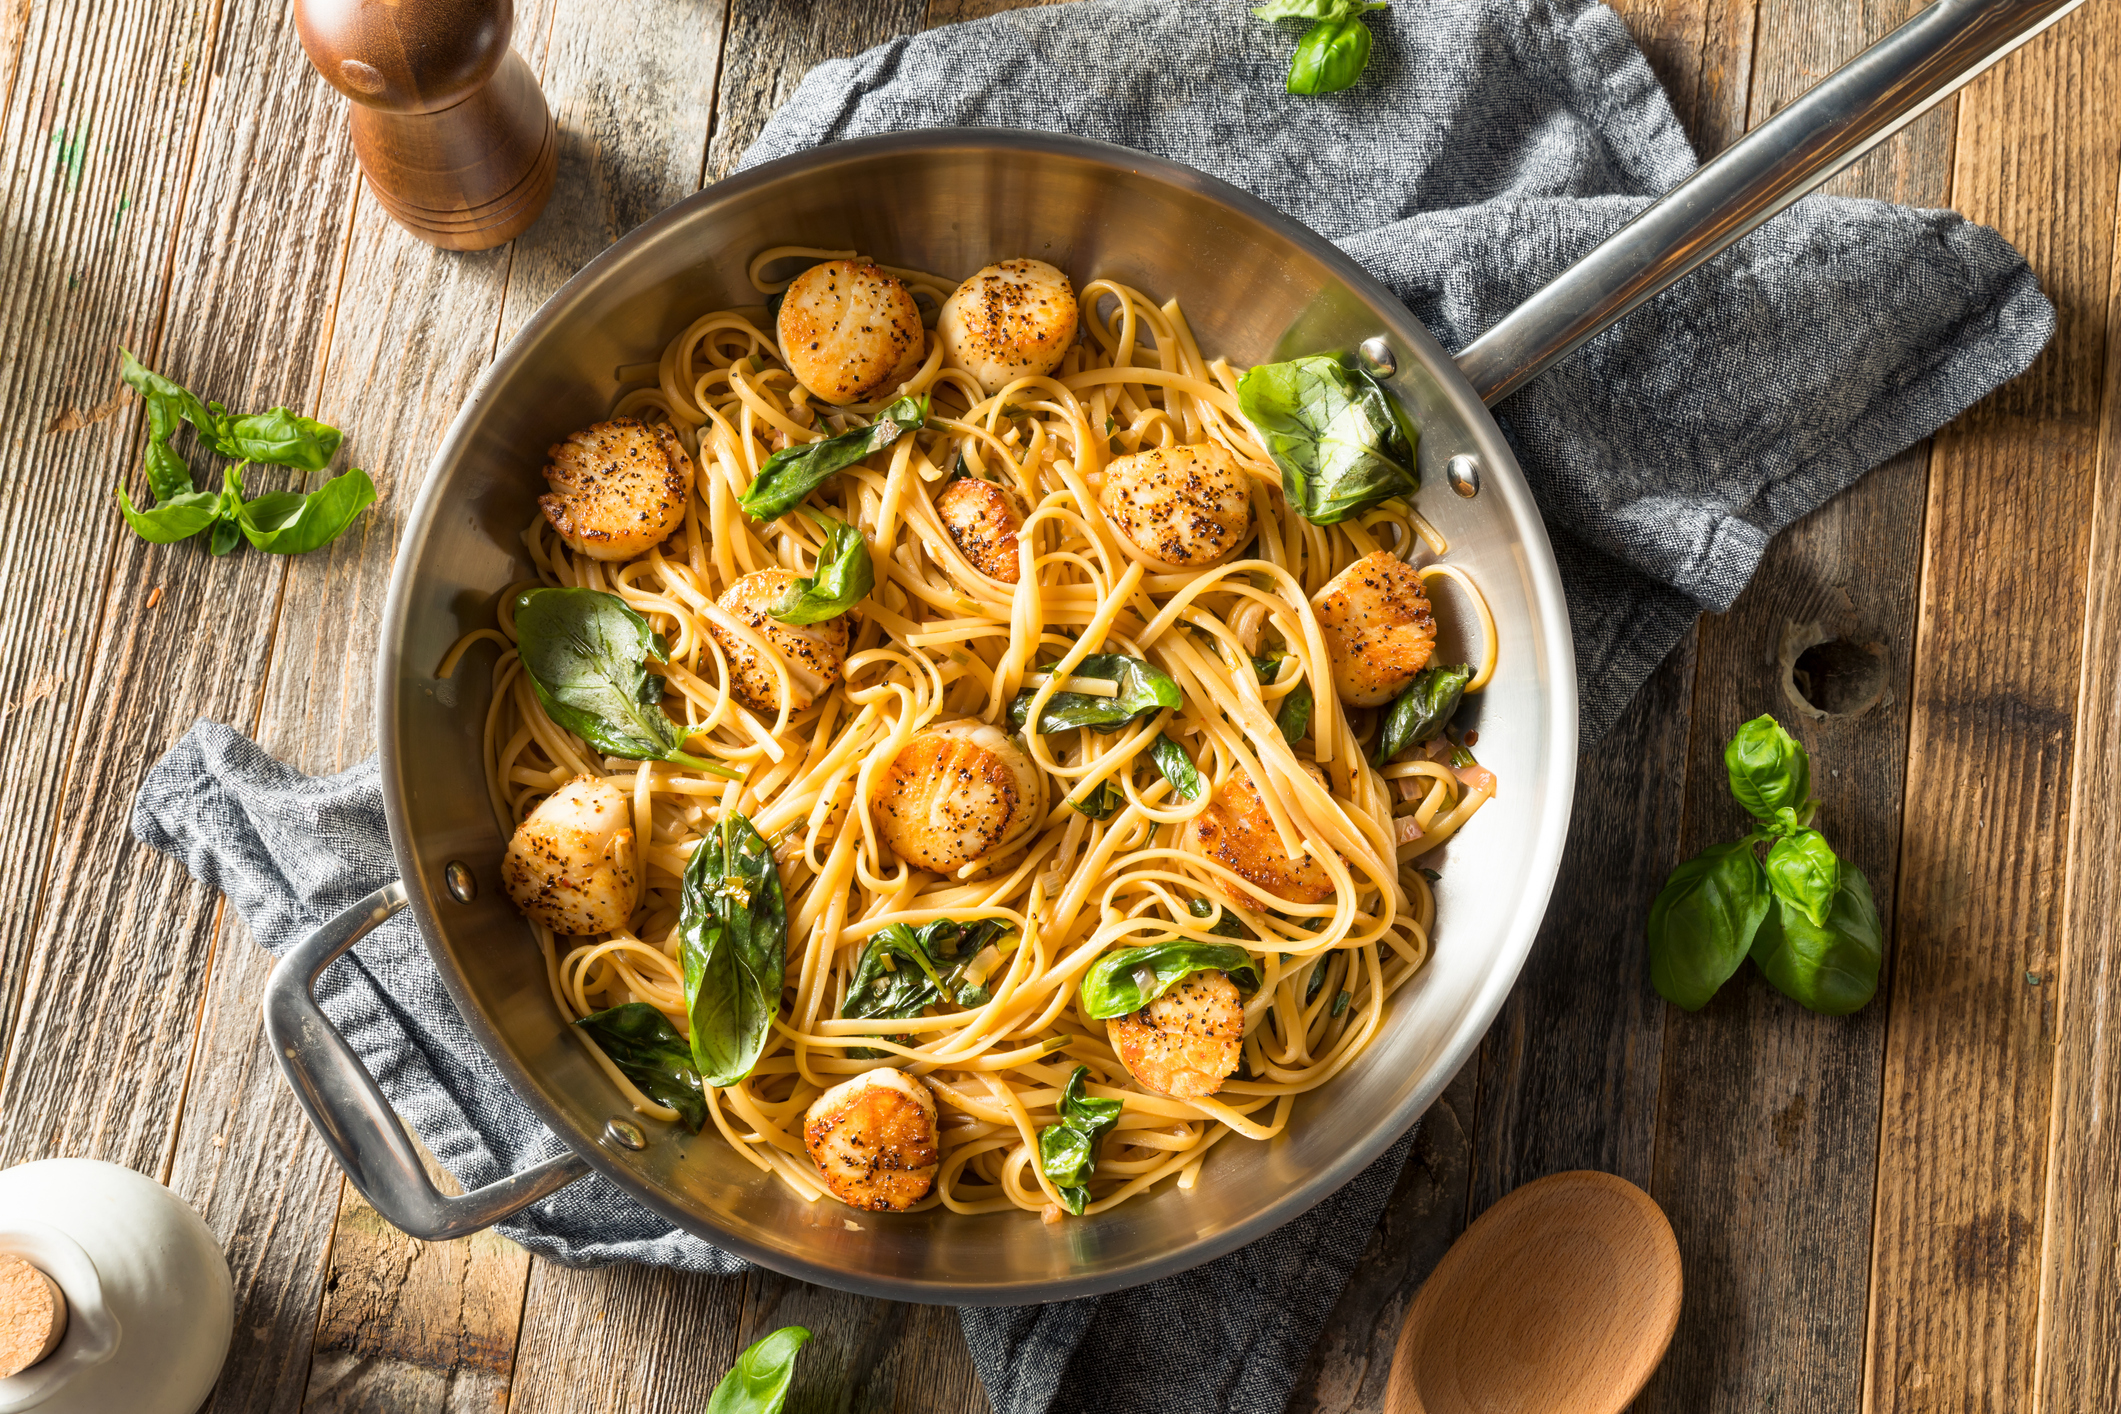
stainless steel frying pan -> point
(1256, 286)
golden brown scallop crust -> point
(1187, 1042)
(875, 1146)
(972, 789)
(1183, 507)
(618, 488)
(819, 649)
(1378, 628)
(849, 331)
(1236, 832)
(983, 522)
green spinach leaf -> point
(905, 970)
(1769, 770)
(1294, 719)
(1703, 922)
(1226, 926)
(1342, 442)
(1178, 768)
(794, 472)
(1143, 688)
(1830, 966)
(1423, 710)
(733, 948)
(1067, 1151)
(648, 1050)
(1805, 873)
(758, 1382)
(583, 650)
(844, 576)
(1130, 979)
(293, 523)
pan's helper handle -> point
(1851, 111)
(358, 1125)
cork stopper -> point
(32, 1315)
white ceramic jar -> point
(149, 1300)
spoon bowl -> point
(1560, 1299)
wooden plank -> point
(626, 1340)
(2079, 1358)
(768, 48)
(1970, 1051)
(866, 1356)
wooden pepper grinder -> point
(448, 121)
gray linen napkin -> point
(1491, 142)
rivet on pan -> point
(462, 884)
(1463, 473)
(1377, 357)
(624, 1133)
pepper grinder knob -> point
(448, 121)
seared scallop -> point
(875, 1140)
(955, 793)
(812, 653)
(980, 518)
(1184, 508)
(1236, 832)
(850, 332)
(570, 865)
(1378, 628)
(618, 488)
(1184, 1044)
(1012, 320)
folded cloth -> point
(1490, 143)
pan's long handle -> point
(356, 1122)
(1851, 111)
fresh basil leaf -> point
(1226, 926)
(226, 537)
(844, 577)
(1830, 967)
(1805, 873)
(758, 1382)
(1769, 769)
(904, 970)
(1315, 9)
(279, 437)
(1130, 979)
(583, 651)
(1422, 710)
(1178, 768)
(1316, 982)
(1143, 688)
(292, 523)
(178, 517)
(1341, 441)
(733, 948)
(1266, 669)
(648, 1050)
(1703, 922)
(1102, 803)
(1067, 1151)
(1330, 57)
(167, 405)
(1340, 1003)
(794, 472)
(1294, 719)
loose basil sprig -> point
(648, 1050)
(733, 948)
(1334, 51)
(1806, 917)
(1342, 442)
(1067, 1151)
(1130, 979)
(280, 522)
(794, 472)
(1422, 710)
(844, 577)
(1143, 688)
(758, 1382)
(584, 652)
(905, 970)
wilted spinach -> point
(1342, 442)
(1334, 51)
(794, 472)
(1067, 1151)
(733, 948)
(1143, 688)
(905, 970)
(648, 1050)
(1177, 767)
(844, 577)
(1422, 710)
(758, 1382)
(1101, 803)
(280, 522)
(1226, 926)
(1130, 979)
(1806, 918)
(583, 651)
(1294, 719)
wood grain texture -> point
(2079, 1359)
(625, 1340)
(1969, 1066)
(866, 1356)
(769, 46)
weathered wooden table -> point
(1913, 1208)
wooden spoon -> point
(1560, 1299)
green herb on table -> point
(905, 970)
(844, 577)
(1143, 688)
(280, 522)
(758, 1382)
(1805, 916)
(1067, 1151)
(1423, 710)
(648, 1050)
(1334, 51)
(732, 947)
(794, 472)
(584, 651)
(1342, 442)
(1130, 979)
